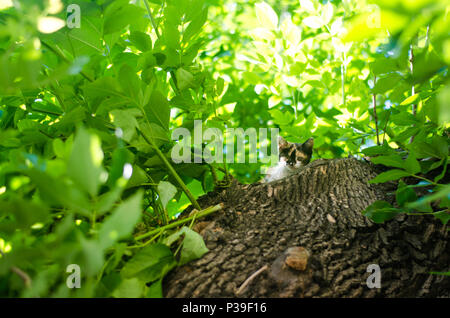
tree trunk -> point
(318, 210)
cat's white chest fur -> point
(280, 171)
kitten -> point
(293, 157)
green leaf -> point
(404, 119)
(130, 288)
(386, 83)
(125, 119)
(130, 83)
(137, 178)
(281, 118)
(412, 165)
(404, 194)
(71, 118)
(409, 100)
(389, 161)
(59, 148)
(443, 109)
(380, 211)
(220, 83)
(166, 192)
(110, 282)
(22, 214)
(378, 150)
(121, 222)
(158, 134)
(423, 149)
(102, 87)
(407, 133)
(157, 110)
(171, 35)
(444, 216)
(433, 165)
(431, 109)
(92, 254)
(327, 13)
(193, 245)
(196, 24)
(390, 175)
(120, 157)
(296, 69)
(141, 41)
(120, 14)
(383, 65)
(55, 191)
(84, 166)
(314, 83)
(86, 40)
(106, 200)
(184, 79)
(251, 78)
(174, 11)
(148, 264)
(155, 290)
(266, 15)
(28, 124)
(313, 22)
(440, 145)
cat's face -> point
(295, 155)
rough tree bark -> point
(318, 209)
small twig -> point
(198, 215)
(374, 103)
(249, 280)
(147, 242)
(152, 19)
(385, 126)
(413, 90)
(343, 78)
(294, 101)
(171, 170)
(25, 277)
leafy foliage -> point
(87, 115)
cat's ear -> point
(308, 145)
(282, 142)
